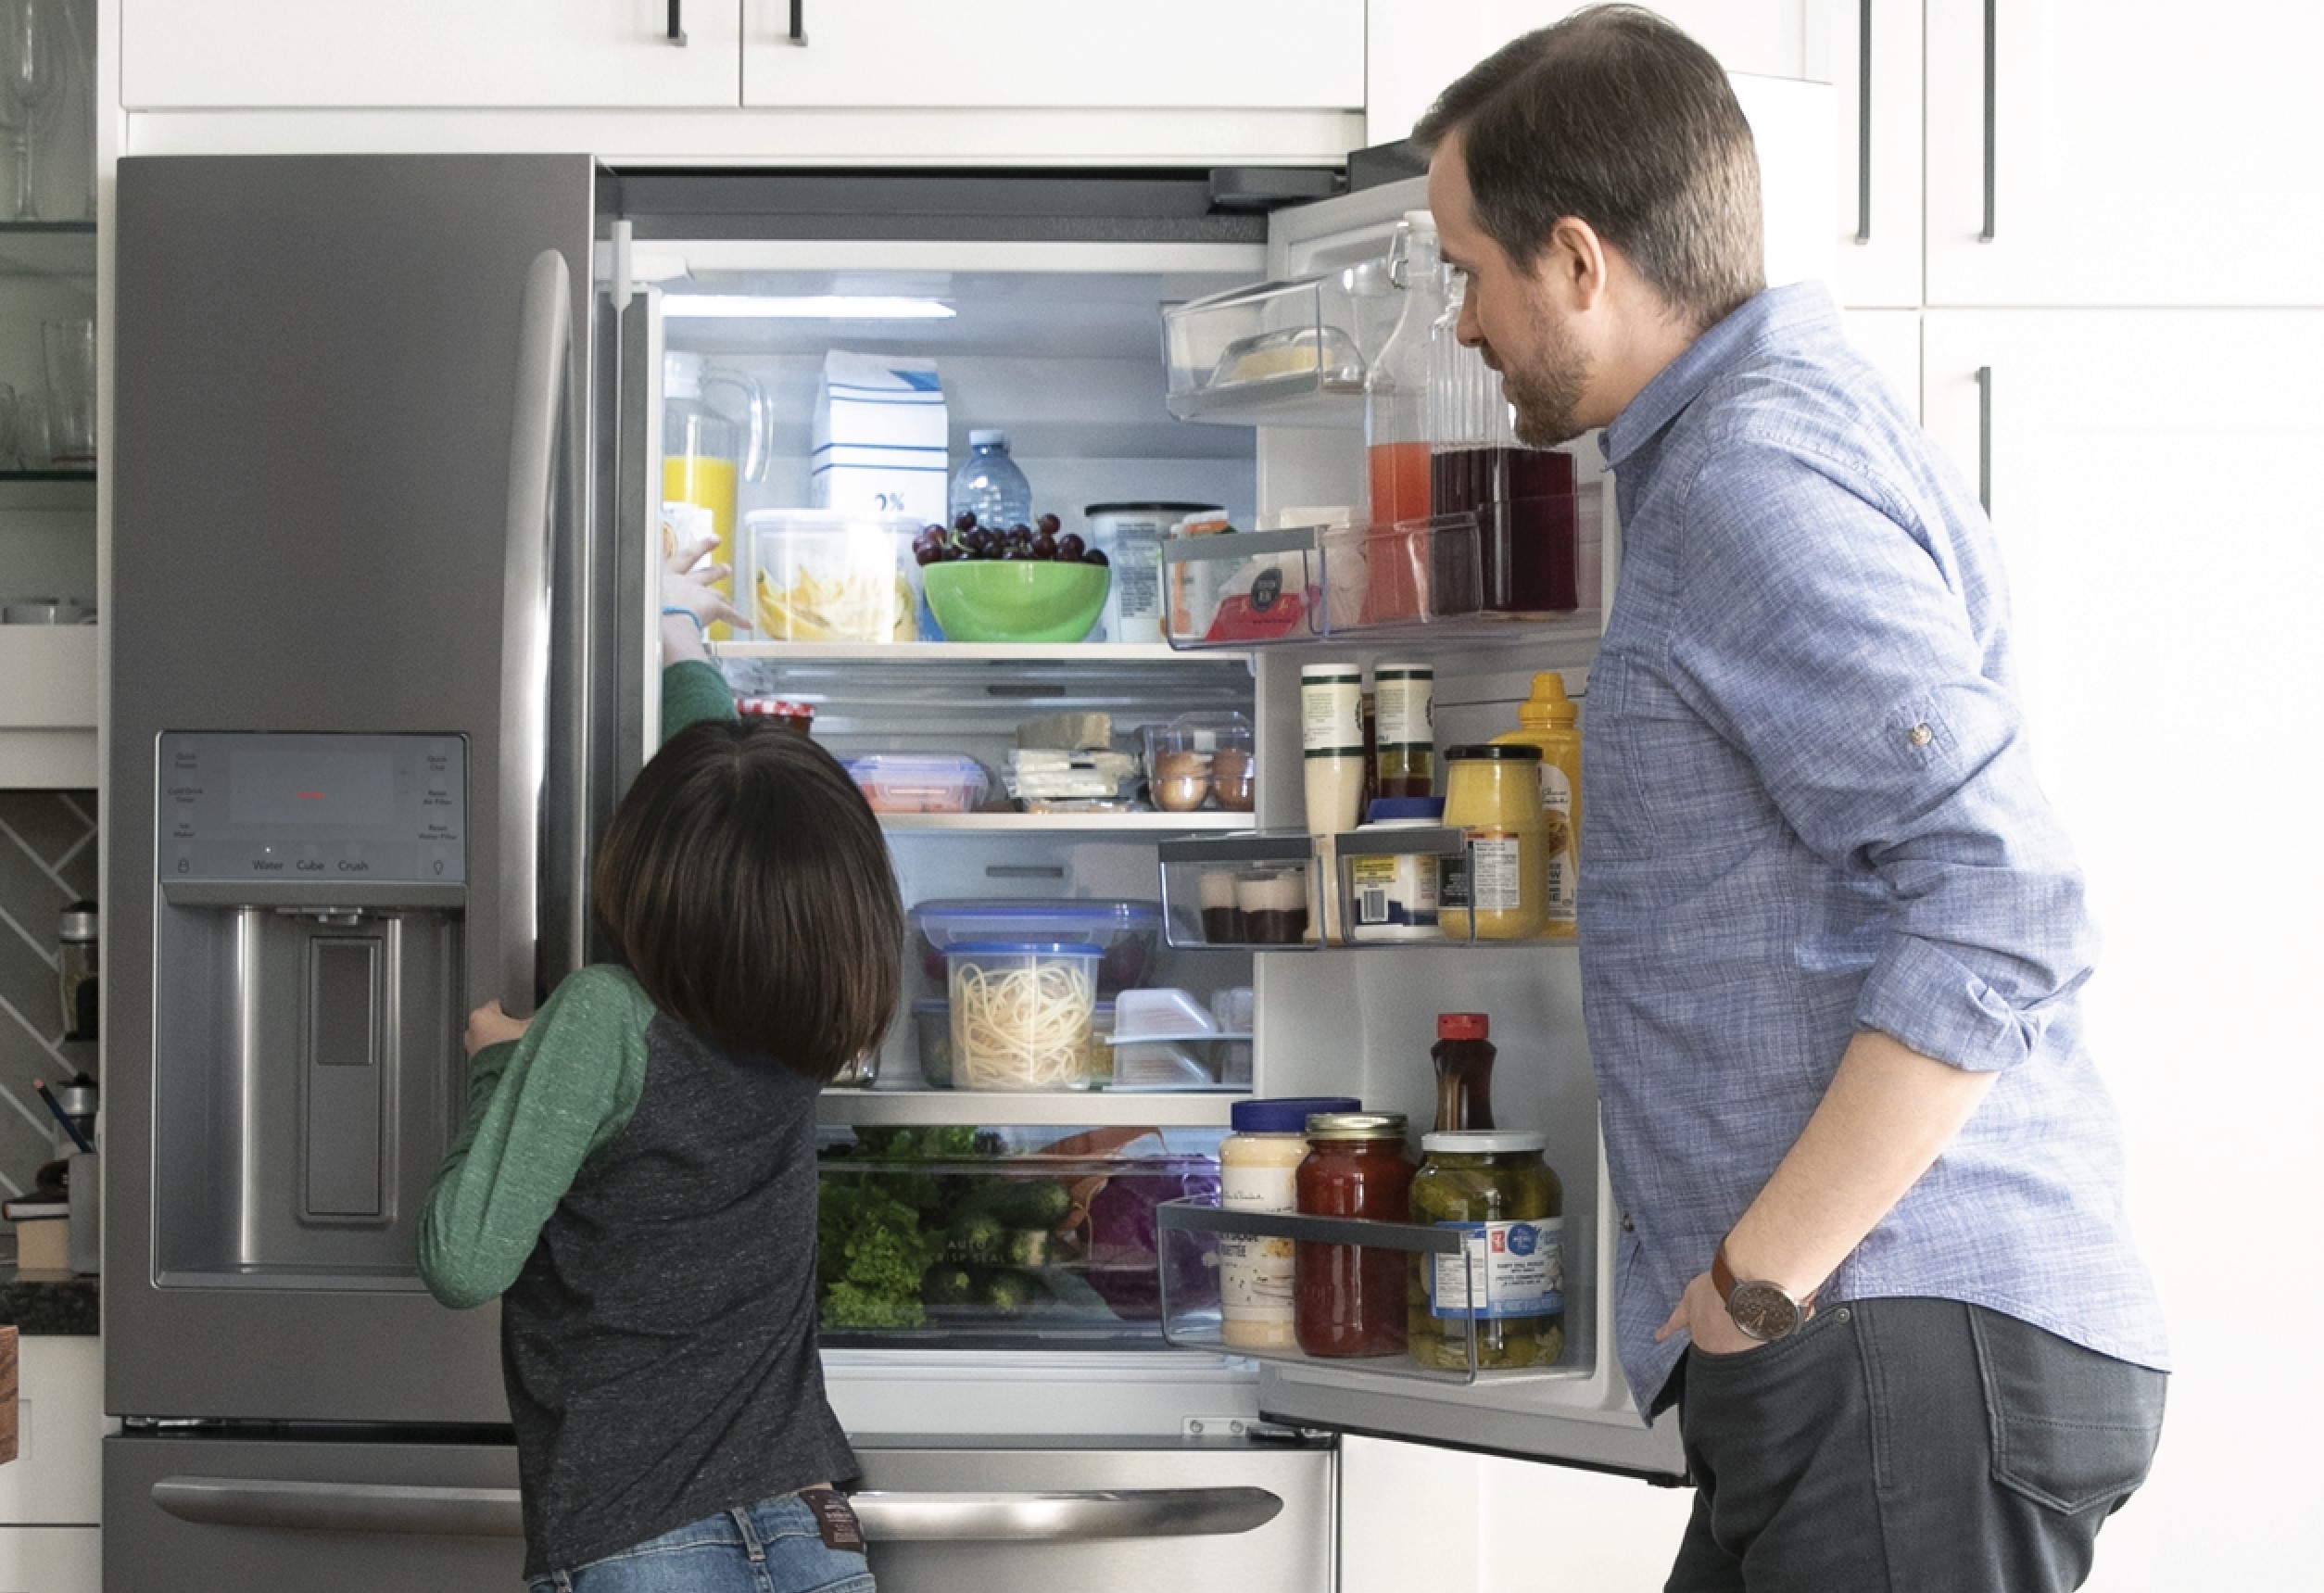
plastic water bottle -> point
(989, 485)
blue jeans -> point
(771, 1547)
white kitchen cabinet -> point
(1034, 55)
(293, 54)
(1417, 48)
(2152, 483)
(50, 1559)
(59, 1418)
(1877, 145)
(2140, 154)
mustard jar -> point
(1495, 891)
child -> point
(635, 1180)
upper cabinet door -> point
(2153, 156)
(1046, 54)
(416, 54)
(1417, 48)
(1870, 52)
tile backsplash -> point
(48, 859)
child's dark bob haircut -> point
(745, 882)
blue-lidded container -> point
(1285, 1114)
(1127, 933)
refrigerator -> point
(385, 485)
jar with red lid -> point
(1351, 1299)
(800, 716)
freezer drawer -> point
(1176, 1514)
(213, 1514)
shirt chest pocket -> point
(1657, 781)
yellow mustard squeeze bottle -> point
(1550, 720)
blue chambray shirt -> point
(1808, 809)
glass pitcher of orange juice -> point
(706, 452)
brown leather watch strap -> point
(1723, 1279)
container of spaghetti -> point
(1022, 1013)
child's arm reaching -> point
(538, 1107)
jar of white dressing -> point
(1258, 1164)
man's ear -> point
(1572, 264)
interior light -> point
(816, 307)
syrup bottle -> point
(1464, 1072)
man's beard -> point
(1547, 389)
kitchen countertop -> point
(44, 1301)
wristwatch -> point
(1763, 1311)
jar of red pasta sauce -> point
(1351, 1299)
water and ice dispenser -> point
(308, 1073)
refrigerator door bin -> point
(1261, 892)
(1274, 353)
(1191, 1230)
(1411, 578)
(1013, 1238)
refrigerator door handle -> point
(1079, 1516)
(282, 1505)
(543, 355)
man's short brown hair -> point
(746, 884)
(1617, 118)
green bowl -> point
(1015, 600)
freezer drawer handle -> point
(1063, 1517)
(886, 1517)
(341, 1506)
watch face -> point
(1763, 1310)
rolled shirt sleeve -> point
(1828, 641)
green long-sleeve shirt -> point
(540, 1107)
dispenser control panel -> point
(290, 807)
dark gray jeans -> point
(1907, 1446)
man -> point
(1832, 936)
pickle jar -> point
(1493, 797)
(1508, 1279)
(1351, 1299)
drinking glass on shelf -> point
(11, 434)
(31, 69)
(69, 350)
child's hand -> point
(687, 584)
(489, 1026)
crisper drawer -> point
(1173, 1515)
(956, 1237)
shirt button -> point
(1920, 734)
(1628, 1226)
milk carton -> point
(879, 436)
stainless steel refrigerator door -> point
(350, 395)
(206, 1515)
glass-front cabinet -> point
(48, 396)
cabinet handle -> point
(678, 23)
(1985, 440)
(1990, 91)
(799, 22)
(1864, 123)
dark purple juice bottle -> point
(1528, 532)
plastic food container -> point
(919, 782)
(1022, 1014)
(827, 575)
(1198, 760)
(1125, 931)
(932, 1040)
